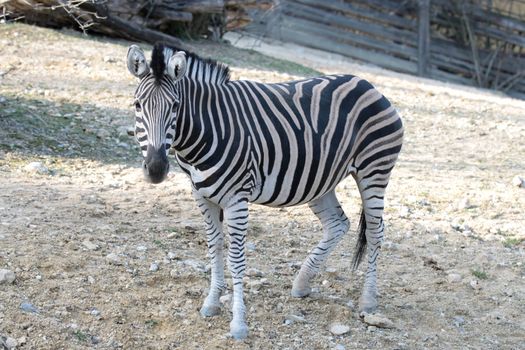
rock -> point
(378, 321)
(8, 343)
(454, 278)
(459, 321)
(154, 267)
(518, 181)
(22, 340)
(95, 312)
(7, 276)
(339, 347)
(141, 248)
(475, 284)
(103, 134)
(250, 246)
(28, 307)
(171, 256)
(404, 211)
(291, 319)
(90, 245)
(226, 299)
(91, 279)
(464, 203)
(339, 329)
(194, 264)
(114, 259)
(350, 304)
(109, 59)
(257, 284)
(36, 167)
(253, 272)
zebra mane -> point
(198, 68)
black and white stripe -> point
(278, 145)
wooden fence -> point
(468, 42)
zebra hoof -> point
(367, 305)
(301, 292)
(210, 310)
(238, 330)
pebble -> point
(10, 343)
(250, 246)
(518, 181)
(91, 279)
(22, 340)
(404, 211)
(36, 167)
(464, 203)
(475, 284)
(7, 276)
(378, 321)
(454, 278)
(114, 259)
(154, 267)
(90, 245)
(339, 329)
(141, 248)
(194, 264)
(28, 307)
(350, 304)
(291, 319)
(257, 284)
(253, 272)
(339, 347)
(226, 299)
(95, 312)
(171, 256)
(103, 134)
(459, 321)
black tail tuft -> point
(361, 242)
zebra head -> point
(157, 102)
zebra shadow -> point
(41, 129)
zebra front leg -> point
(335, 225)
(236, 216)
(214, 236)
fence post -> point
(423, 38)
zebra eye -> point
(138, 108)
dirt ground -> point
(104, 260)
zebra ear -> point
(177, 66)
(137, 64)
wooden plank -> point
(423, 56)
(349, 37)
(348, 8)
(319, 41)
(403, 36)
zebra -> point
(278, 145)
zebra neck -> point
(200, 129)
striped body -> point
(272, 144)
(299, 139)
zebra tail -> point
(361, 242)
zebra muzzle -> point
(156, 165)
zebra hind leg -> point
(371, 237)
(214, 236)
(335, 225)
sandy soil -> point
(82, 230)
